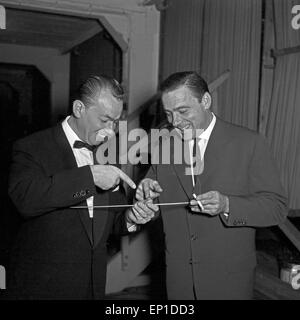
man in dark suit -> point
(210, 243)
(61, 252)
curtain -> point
(283, 129)
(232, 40)
(181, 36)
(212, 36)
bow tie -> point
(80, 144)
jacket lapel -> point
(69, 162)
(214, 151)
(182, 171)
(212, 158)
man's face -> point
(99, 120)
(185, 111)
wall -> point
(212, 37)
(137, 27)
(98, 55)
(54, 66)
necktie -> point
(197, 154)
(80, 144)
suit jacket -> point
(211, 257)
(60, 253)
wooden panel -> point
(272, 288)
(268, 65)
(83, 36)
(291, 232)
(285, 51)
(98, 55)
(45, 29)
(181, 36)
(211, 37)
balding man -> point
(60, 252)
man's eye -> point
(183, 111)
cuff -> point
(131, 227)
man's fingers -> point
(138, 218)
(125, 178)
(210, 201)
(136, 214)
(156, 186)
(142, 209)
(145, 210)
(152, 206)
(195, 209)
(193, 203)
(146, 188)
(196, 203)
(139, 194)
(206, 196)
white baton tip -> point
(199, 202)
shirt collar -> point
(69, 132)
(207, 132)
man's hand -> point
(148, 189)
(213, 203)
(142, 212)
(107, 176)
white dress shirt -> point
(202, 144)
(83, 156)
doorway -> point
(25, 108)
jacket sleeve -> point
(35, 193)
(119, 224)
(265, 205)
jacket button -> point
(194, 237)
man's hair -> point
(189, 79)
(91, 89)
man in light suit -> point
(61, 252)
(210, 243)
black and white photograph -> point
(150, 153)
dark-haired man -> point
(60, 252)
(210, 244)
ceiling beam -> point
(112, 28)
(216, 83)
(83, 7)
(82, 38)
(284, 51)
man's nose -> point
(176, 120)
(110, 125)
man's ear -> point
(78, 108)
(206, 100)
